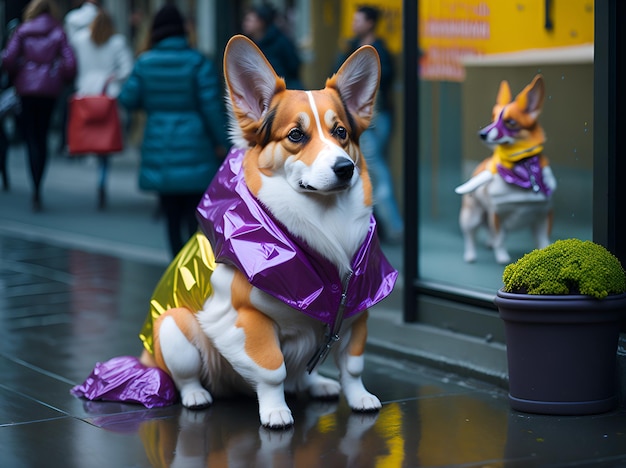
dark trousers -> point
(35, 125)
(180, 214)
(4, 151)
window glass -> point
(467, 49)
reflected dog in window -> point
(512, 188)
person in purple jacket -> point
(39, 61)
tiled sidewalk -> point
(64, 309)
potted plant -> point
(562, 307)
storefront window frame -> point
(608, 124)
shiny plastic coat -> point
(124, 378)
(244, 234)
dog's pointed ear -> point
(251, 82)
(357, 82)
(504, 94)
(531, 97)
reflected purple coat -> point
(244, 234)
(527, 174)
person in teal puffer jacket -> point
(185, 135)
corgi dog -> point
(512, 188)
(288, 257)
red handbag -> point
(94, 124)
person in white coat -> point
(104, 62)
(81, 18)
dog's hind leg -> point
(541, 231)
(499, 234)
(470, 218)
(351, 362)
(177, 354)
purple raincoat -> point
(527, 174)
(244, 234)
(126, 379)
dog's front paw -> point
(469, 257)
(195, 397)
(277, 418)
(323, 388)
(364, 402)
(502, 257)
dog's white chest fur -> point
(330, 225)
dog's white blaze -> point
(318, 123)
(328, 119)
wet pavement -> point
(74, 290)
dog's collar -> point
(509, 155)
(243, 234)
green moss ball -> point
(569, 266)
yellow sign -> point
(452, 29)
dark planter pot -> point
(561, 352)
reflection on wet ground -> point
(62, 310)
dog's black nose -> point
(483, 135)
(344, 168)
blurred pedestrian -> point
(76, 20)
(4, 140)
(80, 18)
(374, 141)
(40, 62)
(104, 62)
(5, 83)
(185, 133)
(259, 25)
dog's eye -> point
(510, 123)
(295, 135)
(341, 133)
